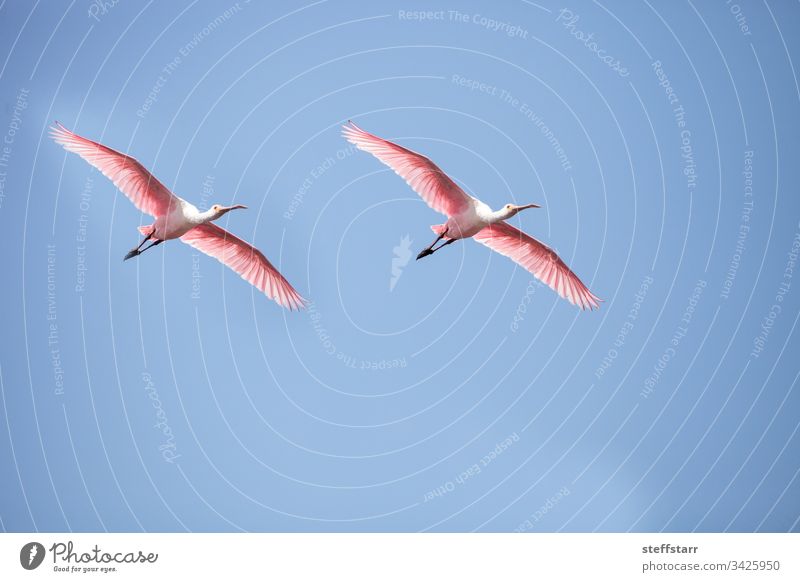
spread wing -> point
(425, 177)
(144, 190)
(246, 260)
(540, 260)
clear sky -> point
(449, 394)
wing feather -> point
(431, 183)
(246, 260)
(540, 260)
(132, 178)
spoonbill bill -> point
(469, 217)
(177, 218)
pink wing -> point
(246, 260)
(540, 260)
(425, 177)
(144, 190)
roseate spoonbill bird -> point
(469, 217)
(177, 218)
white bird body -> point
(469, 217)
(470, 221)
(177, 218)
(181, 219)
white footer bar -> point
(416, 557)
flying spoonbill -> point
(177, 218)
(469, 217)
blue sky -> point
(449, 394)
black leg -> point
(427, 251)
(155, 243)
(133, 252)
(449, 241)
(136, 252)
(444, 244)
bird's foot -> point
(424, 253)
(132, 253)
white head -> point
(218, 210)
(510, 210)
